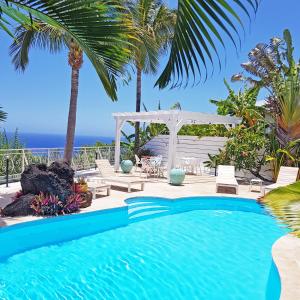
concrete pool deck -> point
(193, 186)
(286, 250)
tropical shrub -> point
(51, 205)
(241, 105)
(7, 143)
(246, 148)
(72, 205)
(46, 205)
(203, 130)
(278, 156)
(216, 159)
(284, 204)
(247, 143)
(13, 142)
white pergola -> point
(174, 120)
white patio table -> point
(190, 164)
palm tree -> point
(154, 27)
(53, 39)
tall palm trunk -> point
(138, 107)
(75, 61)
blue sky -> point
(37, 100)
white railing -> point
(18, 159)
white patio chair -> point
(286, 176)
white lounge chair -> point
(286, 176)
(110, 177)
(96, 186)
(226, 178)
(138, 163)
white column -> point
(174, 127)
(119, 124)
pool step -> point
(147, 215)
(146, 210)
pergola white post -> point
(119, 125)
(173, 126)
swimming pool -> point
(194, 248)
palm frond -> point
(153, 28)
(198, 24)
(42, 36)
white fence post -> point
(23, 161)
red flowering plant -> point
(72, 204)
(46, 205)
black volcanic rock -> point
(19, 207)
(63, 170)
(57, 179)
(38, 178)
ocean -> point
(39, 140)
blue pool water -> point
(185, 253)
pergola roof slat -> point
(186, 117)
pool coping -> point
(286, 256)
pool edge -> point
(286, 256)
